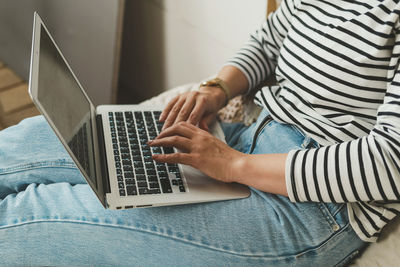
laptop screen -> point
(66, 105)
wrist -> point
(216, 93)
(221, 84)
(239, 165)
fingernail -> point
(149, 142)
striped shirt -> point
(337, 67)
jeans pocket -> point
(335, 214)
(306, 141)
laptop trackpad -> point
(200, 184)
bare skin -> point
(201, 150)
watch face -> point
(212, 82)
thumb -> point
(206, 121)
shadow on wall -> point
(142, 52)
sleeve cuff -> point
(289, 176)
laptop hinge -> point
(102, 150)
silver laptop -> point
(108, 142)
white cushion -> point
(386, 252)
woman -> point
(321, 160)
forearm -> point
(235, 79)
(265, 172)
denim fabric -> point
(50, 217)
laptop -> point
(108, 142)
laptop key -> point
(154, 185)
(126, 156)
(147, 153)
(139, 171)
(127, 162)
(150, 166)
(178, 175)
(128, 168)
(129, 175)
(146, 191)
(122, 139)
(138, 164)
(130, 181)
(162, 171)
(136, 157)
(151, 172)
(148, 159)
(141, 178)
(142, 184)
(173, 169)
(131, 190)
(165, 186)
(124, 144)
(152, 178)
(135, 148)
(122, 192)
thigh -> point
(64, 224)
(32, 145)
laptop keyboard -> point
(79, 146)
(137, 172)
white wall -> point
(200, 35)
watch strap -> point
(217, 82)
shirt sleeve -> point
(365, 169)
(257, 59)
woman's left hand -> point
(199, 149)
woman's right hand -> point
(196, 107)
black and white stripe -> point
(337, 63)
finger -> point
(173, 113)
(182, 129)
(197, 112)
(168, 108)
(179, 142)
(186, 108)
(182, 158)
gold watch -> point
(217, 82)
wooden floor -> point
(15, 102)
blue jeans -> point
(50, 216)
